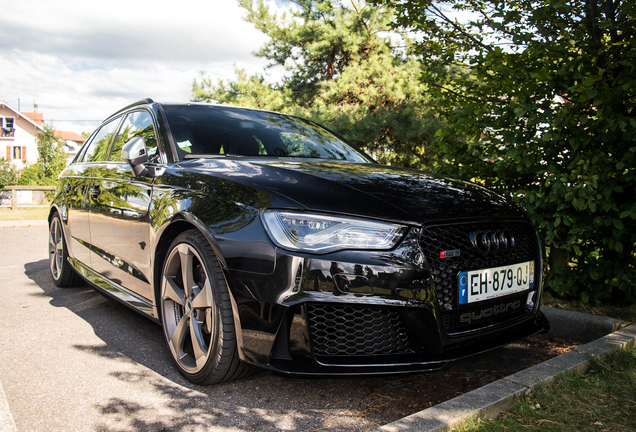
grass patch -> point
(625, 313)
(24, 213)
(603, 399)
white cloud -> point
(81, 60)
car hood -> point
(369, 190)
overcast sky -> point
(82, 60)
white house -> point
(18, 136)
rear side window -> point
(136, 124)
(97, 148)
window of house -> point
(7, 126)
(16, 153)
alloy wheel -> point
(56, 249)
(187, 306)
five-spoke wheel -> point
(197, 313)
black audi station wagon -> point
(262, 239)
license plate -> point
(478, 285)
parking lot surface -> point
(74, 360)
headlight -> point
(313, 233)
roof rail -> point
(139, 102)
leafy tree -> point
(344, 70)
(51, 161)
(50, 153)
(547, 102)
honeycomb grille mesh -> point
(444, 271)
(346, 330)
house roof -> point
(37, 119)
(35, 116)
(69, 136)
(3, 104)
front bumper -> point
(352, 313)
(396, 364)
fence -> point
(24, 195)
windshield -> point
(211, 131)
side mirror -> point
(135, 154)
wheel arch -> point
(56, 210)
(52, 211)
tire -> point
(63, 273)
(197, 316)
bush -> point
(9, 175)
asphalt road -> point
(73, 360)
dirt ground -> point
(405, 395)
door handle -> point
(95, 191)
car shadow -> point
(261, 401)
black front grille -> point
(347, 330)
(444, 271)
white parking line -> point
(6, 419)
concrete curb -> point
(503, 394)
(579, 326)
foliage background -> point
(345, 70)
(547, 108)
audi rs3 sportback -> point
(261, 239)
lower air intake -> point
(346, 330)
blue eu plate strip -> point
(463, 288)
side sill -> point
(115, 290)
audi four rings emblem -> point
(485, 241)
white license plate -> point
(478, 285)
